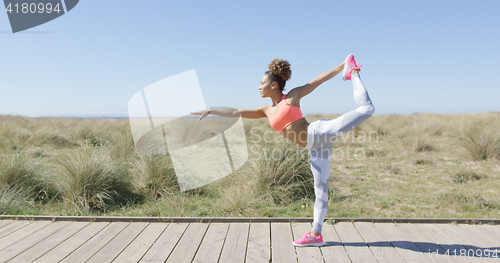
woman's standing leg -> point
(320, 167)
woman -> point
(285, 116)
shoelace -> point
(356, 66)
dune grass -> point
(418, 165)
(21, 174)
(13, 201)
(154, 176)
(92, 181)
(282, 173)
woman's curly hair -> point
(279, 71)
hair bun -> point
(280, 68)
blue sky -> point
(418, 56)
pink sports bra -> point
(286, 114)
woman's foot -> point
(308, 240)
(350, 66)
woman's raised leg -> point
(352, 119)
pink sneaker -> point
(349, 66)
(309, 241)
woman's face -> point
(265, 87)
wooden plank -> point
(334, 250)
(235, 247)
(282, 249)
(29, 241)
(136, 250)
(21, 233)
(112, 249)
(259, 243)
(446, 242)
(484, 245)
(94, 244)
(432, 251)
(72, 243)
(6, 222)
(211, 245)
(49, 243)
(164, 245)
(186, 249)
(305, 254)
(407, 251)
(492, 231)
(487, 234)
(354, 244)
(8, 229)
(467, 239)
(382, 249)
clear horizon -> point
(418, 57)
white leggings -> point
(320, 137)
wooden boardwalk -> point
(72, 241)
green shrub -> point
(95, 140)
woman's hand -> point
(203, 113)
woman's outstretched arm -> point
(309, 87)
(256, 113)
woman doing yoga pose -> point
(286, 117)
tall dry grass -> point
(154, 175)
(92, 181)
(283, 174)
(13, 201)
(411, 166)
(23, 174)
(481, 140)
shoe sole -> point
(310, 245)
(345, 67)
